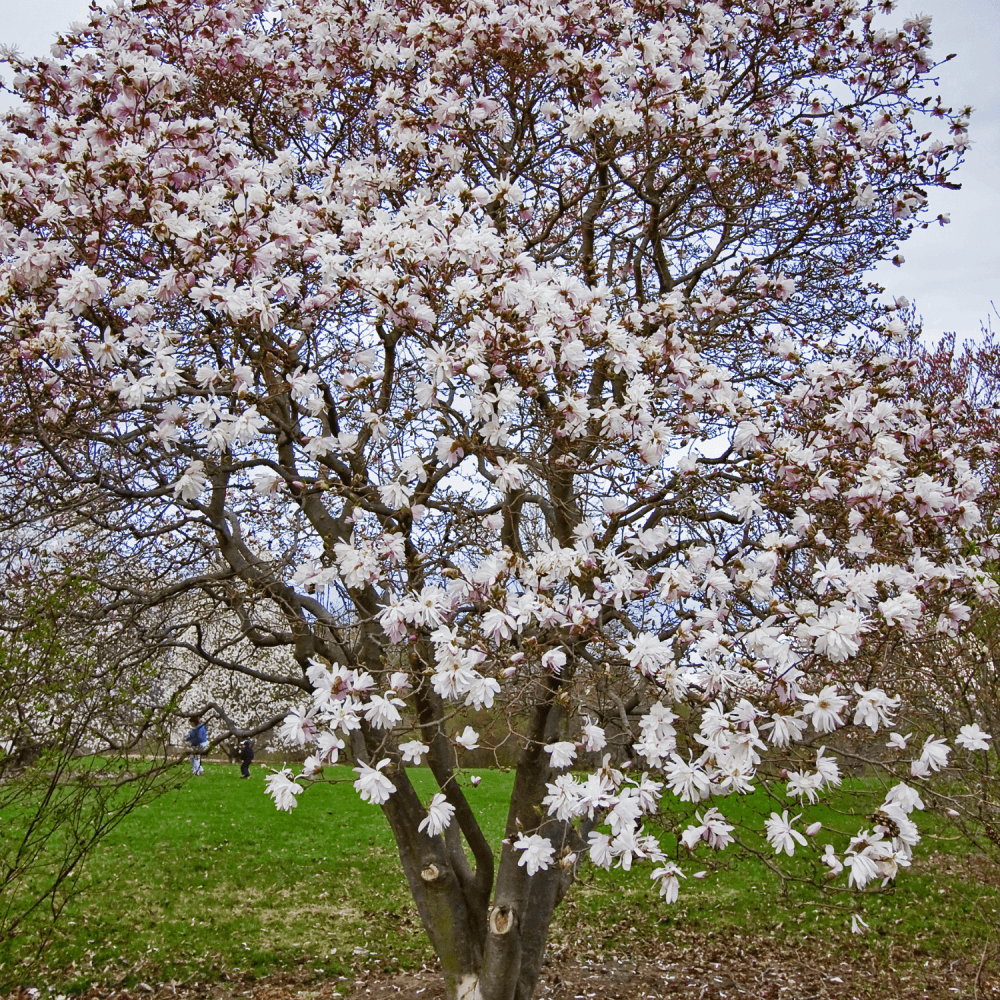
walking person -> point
(198, 738)
(246, 755)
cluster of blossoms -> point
(344, 699)
(621, 803)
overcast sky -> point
(951, 273)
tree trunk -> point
(489, 950)
(504, 962)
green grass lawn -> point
(211, 880)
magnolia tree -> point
(512, 360)
(198, 671)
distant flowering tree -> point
(202, 644)
(511, 359)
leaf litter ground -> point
(701, 967)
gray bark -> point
(490, 939)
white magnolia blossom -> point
(511, 476)
(554, 660)
(329, 746)
(905, 797)
(805, 785)
(971, 737)
(193, 482)
(712, 828)
(600, 849)
(904, 610)
(837, 635)
(933, 757)
(283, 789)
(594, 738)
(786, 729)
(561, 754)
(780, 833)
(311, 766)
(687, 780)
(537, 853)
(863, 868)
(830, 859)
(383, 712)
(874, 707)
(413, 751)
(372, 785)
(439, 815)
(468, 738)
(669, 876)
(564, 798)
(824, 709)
(827, 768)
(298, 729)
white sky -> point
(951, 273)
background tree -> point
(203, 642)
(950, 679)
(78, 746)
(93, 690)
(507, 359)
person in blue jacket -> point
(198, 738)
